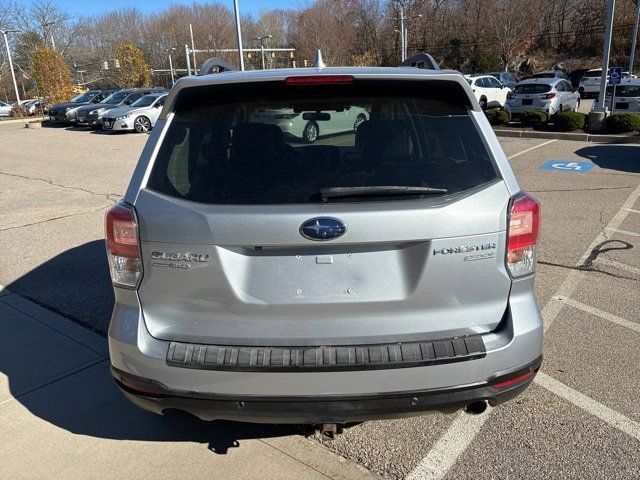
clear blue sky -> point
(90, 7)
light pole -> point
(262, 38)
(193, 47)
(605, 55)
(53, 43)
(239, 34)
(173, 79)
(635, 39)
(13, 74)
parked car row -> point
(129, 109)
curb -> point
(21, 120)
(580, 137)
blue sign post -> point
(615, 78)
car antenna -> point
(318, 62)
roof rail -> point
(421, 60)
(215, 65)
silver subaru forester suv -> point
(380, 272)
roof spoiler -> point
(215, 65)
(421, 60)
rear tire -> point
(360, 119)
(483, 103)
(142, 124)
(311, 132)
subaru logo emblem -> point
(322, 228)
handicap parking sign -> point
(567, 166)
(615, 75)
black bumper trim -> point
(155, 397)
(325, 358)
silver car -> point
(378, 273)
(140, 117)
(549, 95)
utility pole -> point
(635, 39)
(404, 29)
(13, 74)
(193, 48)
(262, 38)
(239, 34)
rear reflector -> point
(524, 226)
(318, 79)
(121, 235)
(515, 380)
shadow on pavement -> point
(625, 158)
(86, 401)
(75, 283)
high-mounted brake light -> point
(121, 235)
(318, 79)
(523, 230)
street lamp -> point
(13, 74)
(53, 43)
(173, 79)
(236, 12)
(262, 38)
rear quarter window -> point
(270, 143)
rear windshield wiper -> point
(334, 192)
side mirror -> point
(501, 86)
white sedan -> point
(140, 117)
(488, 90)
(5, 109)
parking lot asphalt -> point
(581, 418)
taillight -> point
(121, 234)
(524, 226)
(549, 96)
(510, 96)
(318, 79)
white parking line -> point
(624, 232)
(444, 454)
(464, 429)
(599, 313)
(529, 149)
(618, 265)
(568, 286)
(589, 405)
(632, 210)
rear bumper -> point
(326, 394)
(155, 397)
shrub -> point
(53, 76)
(133, 70)
(18, 111)
(498, 116)
(622, 123)
(569, 121)
(534, 118)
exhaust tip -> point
(476, 408)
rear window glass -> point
(544, 75)
(593, 74)
(532, 88)
(269, 143)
